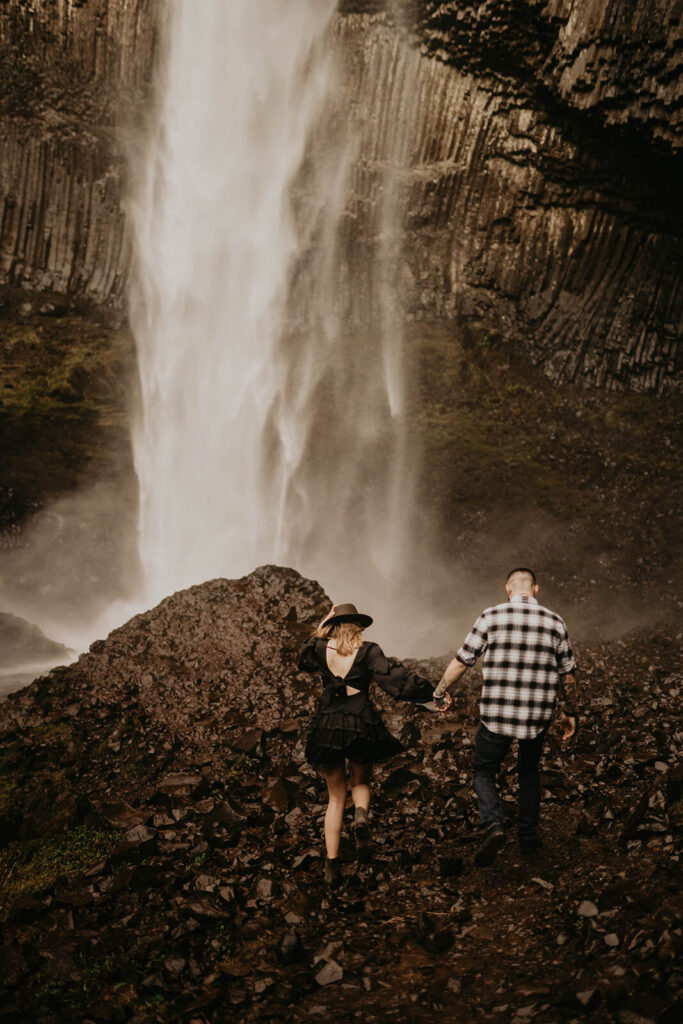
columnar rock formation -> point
(74, 78)
(535, 145)
(539, 197)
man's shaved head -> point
(521, 581)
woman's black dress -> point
(349, 726)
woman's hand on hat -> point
(328, 616)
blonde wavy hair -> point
(346, 636)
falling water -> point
(272, 422)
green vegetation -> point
(241, 765)
(65, 387)
(30, 866)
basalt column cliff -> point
(538, 194)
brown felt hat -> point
(349, 613)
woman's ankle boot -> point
(361, 828)
(332, 871)
(361, 825)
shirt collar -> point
(524, 597)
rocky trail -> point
(161, 853)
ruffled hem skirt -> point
(349, 728)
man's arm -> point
(454, 670)
(567, 696)
(474, 645)
(566, 666)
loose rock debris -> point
(161, 855)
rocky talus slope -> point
(161, 840)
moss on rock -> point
(29, 867)
(65, 387)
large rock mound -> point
(208, 670)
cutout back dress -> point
(348, 725)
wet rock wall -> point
(76, 82)
(528, 217)
(529, 150)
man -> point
(528, 660)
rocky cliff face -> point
(77, 77)
(532, 148)
(538, 198)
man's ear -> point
(535, 589)
(508, 589)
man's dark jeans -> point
(489, 750)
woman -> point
(345, 725)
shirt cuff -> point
(466, 659)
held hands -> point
(443, 703)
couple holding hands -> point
(527, 665)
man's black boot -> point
(488, 851)
(529, 844)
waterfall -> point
(272, 422)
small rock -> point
(588, 998)
(266, 888)
(250, 742)
(155, 980)
(291, 948)
(294, 817)
(331, 972)
(262, 985)
(162, 821)
(289, 726)
(119, 814)
(305, 859)
(180, 784)
(612, 939)
(175, 965)
(587, 909)
(140, 834)
(203, 910)
(631, 1017)
(276, 797)
(636, 817)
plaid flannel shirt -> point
(526, 650)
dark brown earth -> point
(161, 840)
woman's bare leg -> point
(360, 785)
(334, 815)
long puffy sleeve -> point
(307, 659)
(397, 681)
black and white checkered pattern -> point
(526, 649)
